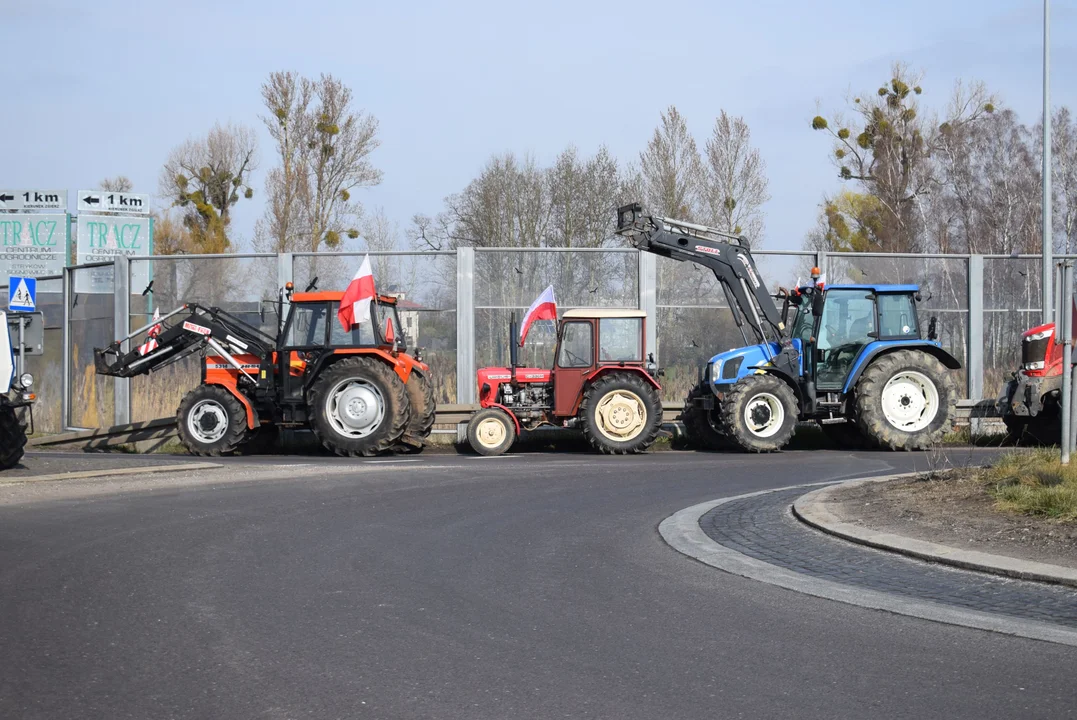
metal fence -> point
(456, 306)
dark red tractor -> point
(602, 382)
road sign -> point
(34, 245)
(33, 200)
(101, 238)
(108, 201)
(22, 294)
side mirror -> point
(817, 304)
(933, 328)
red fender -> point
(511, 415)
(251, 422)
(603, 369)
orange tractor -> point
(359, 391)
(602, 382)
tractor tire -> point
(491, 432)
(759, 414)
(12, 438)
(905, 401)
(846, 435)
(622, 413)
(423, 406)
(211, 421)
(359, 407)
(703, 427)
(264, 440)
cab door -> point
(575, 360)
(304, 332)
(848, 323)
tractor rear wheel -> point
(421, 396)
(359, 407)
(905, 401)
(491, 431)
(211, 421)
(622, 413)
(703, 427)
(759, 414)
(12, 437)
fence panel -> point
(91, 325)
(1012, 300)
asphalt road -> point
(528, 586)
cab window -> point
(361, 334)
(576, 342)
(619, 339)
(897, 317)
(307, 328)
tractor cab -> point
(593, 341)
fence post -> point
(284, 269)
(465, 326)
(65, 362)
(975, 361)
(821, 262)
(121, 318)
(647, 286)
(1064, 323)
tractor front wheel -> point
(211, 421)
(701, 426)
(359, 407)
(759, 414)
(491, 431)
(421, 396)
(622, 413)
(905, 401)
(12, 437)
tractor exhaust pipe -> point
(514, 345)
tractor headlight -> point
(1042, 335)
(26, 380)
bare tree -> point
(1064, 153)
(206, 177)
(734, 188)
(120, 183)
(671, 168)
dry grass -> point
(1034, 482)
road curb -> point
(84, 474)
(812, 510)
(682, 532)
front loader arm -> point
(724, 254)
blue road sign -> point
(22, 294)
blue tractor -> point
(849, 357)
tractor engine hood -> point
(729, 367)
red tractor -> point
(602, 381)
(1031, 403)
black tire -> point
(423, 406)
(264, 440)
(388, 420)
(846, 435)
(768, 400)
(870, 414)
(644, 421)
(703, 427)
(488, 438)
(12, 438)
(211, 421)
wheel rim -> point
(355, 408)
(491, 432)
(764, 415)
(910, 401)
(207, 421)
(621, 415)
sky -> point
(99, 89)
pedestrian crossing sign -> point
(22, 294)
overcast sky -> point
(105, 88)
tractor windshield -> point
(364, 334)
(805, 321)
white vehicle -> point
(14, 394)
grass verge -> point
(1034, 482)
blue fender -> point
(879, 348)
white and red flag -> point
(355, 305)
(151, 335)
(544, 308)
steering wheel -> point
(576, 360)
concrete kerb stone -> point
(812, 509)
(85, 474)
(683, 533)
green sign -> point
(101, 238)
(34, 245)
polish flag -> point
(151, 342)
(355, 305)
(544, 308)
